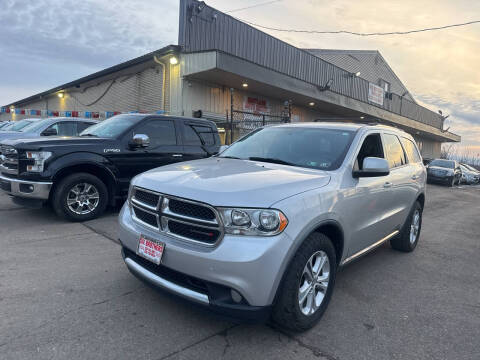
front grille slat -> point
(146, 197)
(181, 218)
(191, 210)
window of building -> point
(385, 85)
(394, 151)
(160, 132)
(411, 151)
(371, 147)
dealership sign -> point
(375, 94)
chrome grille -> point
(8, 160)
(181, 218)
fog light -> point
(235, 296)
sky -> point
(45, 43)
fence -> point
(239, 123)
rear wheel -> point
(407, 240)
(308, 284)
(80, 197)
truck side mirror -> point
(372, 167)
(50, 132)
(140, 141)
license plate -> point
(151, 250)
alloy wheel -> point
(314, 283)
(415, 226)
(83, 198)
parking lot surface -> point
(66, 294)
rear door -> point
(199, 140)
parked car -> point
(16, 126)
(81, 175)
(469, 176)
(444, 171)
(61, 126)
(262, 228)
(4, 123)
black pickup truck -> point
(81, 175)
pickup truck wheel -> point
(308, 284)
(80, 197)
(408, 239)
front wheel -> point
(80, 197)
(308, 284)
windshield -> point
(19, 125)
(316, 148)
(112, 127)
(35, 125)
(443, 163)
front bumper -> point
(249, 265)
(25, 188)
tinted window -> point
(310, 147)
(411, 151)
(395, 154)
(82, 126)
(66, 128)
(206, 134)
(443, 163)
(113, 127)
(160, 132)
(191, 136)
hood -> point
(232, 182)
(41, 141)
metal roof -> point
(101, 73)
(370, 63)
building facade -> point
(227, 71)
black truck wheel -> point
(80, 197)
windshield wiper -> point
(230, 157)
(88, 134)
(271, 160)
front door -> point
(164, 149)
(365, 207)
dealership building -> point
(227, 71)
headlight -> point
(259, 222)
(39, 158)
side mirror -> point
(140, 141)
(223, 148)
(372, 167)
(50, 132)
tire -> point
(452, 183)
(407, 240)
(94, 201)
(287, 311)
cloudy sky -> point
(45, 43)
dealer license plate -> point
(151, 250)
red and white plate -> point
(151, 250)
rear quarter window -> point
(411, 150)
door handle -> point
(177, 155)
(387, 185)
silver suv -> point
(262, 228)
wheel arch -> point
(330, 228)
(421, 200)
(101, 172)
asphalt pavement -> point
(66, 294)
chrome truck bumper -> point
(25, 189)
